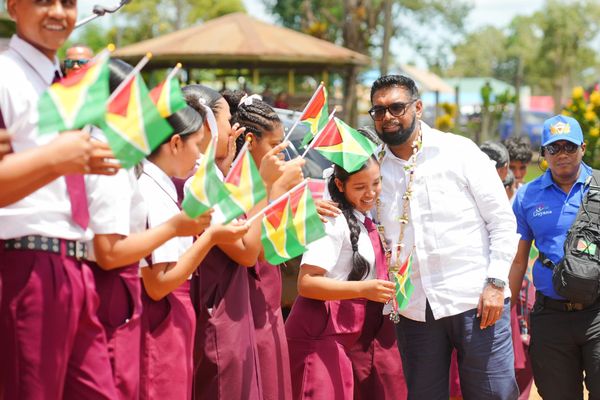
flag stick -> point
(303, 111)
(173, 72)
(129, 77)
(277, 200)
(310, 146)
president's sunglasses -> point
(397, 109)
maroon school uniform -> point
(343, 349)
(274, 361)
(120, 314)
(225, 354)
(168, 327)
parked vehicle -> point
(532, 123)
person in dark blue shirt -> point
(565, 337)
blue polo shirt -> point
(544, 214)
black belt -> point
(72, 248)
(560, 305)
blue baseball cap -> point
(561, 127)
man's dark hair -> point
(519, 149)
(496, 152)
(402, 81)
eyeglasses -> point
(70, 63)
(397, 109)
(555, 148)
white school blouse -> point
(160, 196)
(333, 252)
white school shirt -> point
(460, 223)
(125, 205)
(333, 252)
(26, 73)
(160, 195)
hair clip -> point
(248, 100)
(328, 172)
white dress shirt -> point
(160, 196)
(460, 223)
(333, 252)
(26, 73)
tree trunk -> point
(387, 35)
(350, 106)
(517, 123)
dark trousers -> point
(485, 356)
(563, 346)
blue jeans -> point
(485, 356)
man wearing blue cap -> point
(565, 336)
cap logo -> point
(560, 128)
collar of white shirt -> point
(161, 179)
(43, 66)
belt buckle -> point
(80, 251)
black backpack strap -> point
(546, 262)
(591, 201)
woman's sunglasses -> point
(397, 109)
(555, 148)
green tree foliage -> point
(549, 51)
(480, 54)
(359, 25)
(140, 20)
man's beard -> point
(400, 136)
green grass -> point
(533, 171)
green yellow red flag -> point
(245, 186)
(206, 188)
(343, 145)
(76, 100)
(132, 124)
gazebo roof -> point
(240, 41)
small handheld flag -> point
(167, 96)
(77, 100)
(206, 189)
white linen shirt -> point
(26, 73)
(460, 223)
(333, 252)
(160, 196)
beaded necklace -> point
(403, 218)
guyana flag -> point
(168, 97)
(279, 238)
(132, 125)
(245, 186)
(205, 189)
(534, 253)
(307, 223)
(343, 145)
(404, 286)
(77, 100)
(315, 114)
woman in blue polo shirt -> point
(565, 337)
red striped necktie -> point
(380, 262)
(76, 190)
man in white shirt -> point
(51, 343)
(443, 201)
